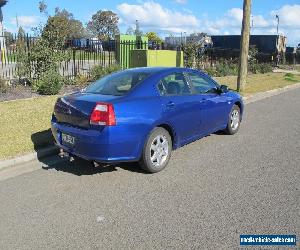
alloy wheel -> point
(235, 119)
(159, 150)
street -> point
(212, 191)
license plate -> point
(68, 139)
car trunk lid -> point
(76, 109)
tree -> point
(244, 49)
(191, 49)
(41, 65)
(43, 7)
(152, 36)
(104, 24)
(9, 38)
(21, 32)
(64, 26)
(23, 60)
(130, 31)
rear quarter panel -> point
(135, 117)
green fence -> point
(125, 44)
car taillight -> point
(103, 114)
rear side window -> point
(173, 84)
(117, 84)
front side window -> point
(173, 84)
(202, 85)
(117, 84)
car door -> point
(213, 105)
(179, 106)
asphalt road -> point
(212, 191)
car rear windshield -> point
(117, 84)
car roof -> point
(154, 70)
(155, 73)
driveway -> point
(212, 191)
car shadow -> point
(81, 167)
(77, 167)
(220, 132)
(42, 141)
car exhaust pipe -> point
(64, 154)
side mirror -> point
(223, 89)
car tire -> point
(234, 120)
(157, 151)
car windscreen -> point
(118, 83)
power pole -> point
(244, 48)
(137, 28)
(277, 17)
(17, 21)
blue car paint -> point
(187, 117)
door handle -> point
(170, 105)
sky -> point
(215, 17)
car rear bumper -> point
(108, 144)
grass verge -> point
(261, 82)
(25, 124)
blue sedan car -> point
(143, 114)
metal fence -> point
(8, 49)
(81, 56)
(84, 57)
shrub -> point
(68, 81)
(210, 71)
(50, 83)
(262, 68)
(254, 68)
(46, 53)
(112, 68)
(81, 80)
(265, 68)
(252, 58)
(99, 71)
(225, 69)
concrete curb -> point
(52, 150)
(49, 151)
(273, 92)
(295, 72)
